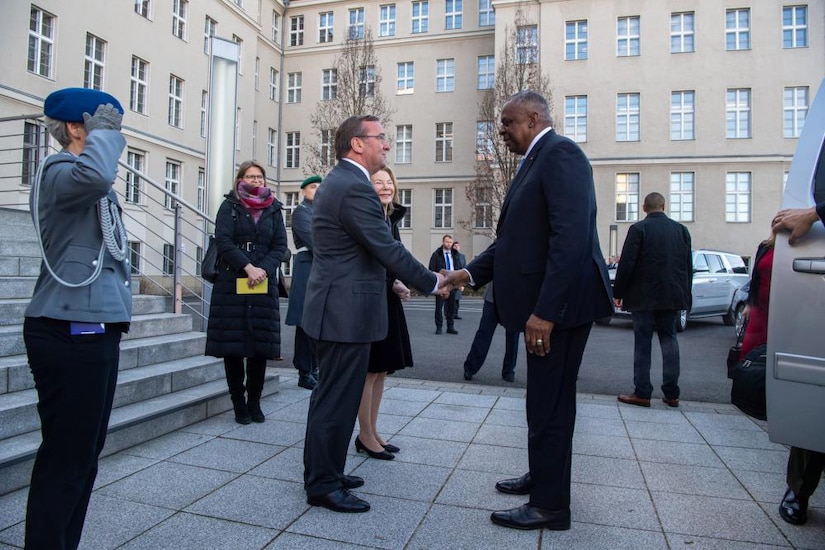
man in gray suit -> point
(345, 309)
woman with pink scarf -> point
(244, 320)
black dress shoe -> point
(456, 317)
(307, 381)
(452, 331)
(380, 455)
(352, 482)
(794, 508)
(516, 486)
(340, 500)
(468, 375)
(508, 376)
(438, 330)
(530, 517)
(390, 448)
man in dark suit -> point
(460, 263)
(443, 257)
(653, 282)
(550, 282)
(345, 308)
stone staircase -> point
(165, 381)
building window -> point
(366, 81)
(175, 117)
(201, 199)
(326, 22)
(527, 45)
(198, 260)
(168, 259)
(738, 197)
(327, 147)
(403, 144)
(134, 187)
(681, 32)
(238, 120)
(386, 20)
(794, 110)
(210, 27)
(179, 8)
(135, 257)
(143, 8)
(139, 85)
(738, 29)
(293, 149)
(296, 30)
(257, 75)
(628, 38)
(293, 87)
(290, 203)
(35, 146)
(41, 42)
(276, 26)
(271, 146)
(273, 84)
(329, 84)
(575, 40)
(483, 210)
(795, 26)
(627, 117)
(406, 78)
(575, 117)
(445, 75)
(452, 14)
(204, 110)
(443, 208)
(239, 41)
(484, 144)
(173, 179)
(239, 3)
(356, 24)
(627, 197)
(405, 199)
(486, 72)
(420, 16)
(444, 142)
(682, 113)
(94, 62)
(486, 14)
(681, 196)
(738, 113)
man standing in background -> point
(444, 258)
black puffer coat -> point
(246, 325)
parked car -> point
(716, 277)
(738, 304)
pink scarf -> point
(255, 199)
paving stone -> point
(432, 452)
(706, 543)
(616, 506)
(468, 400)
(401, 407)
(112, 522)
(510, 404)
(402, 479)
(613, 472)
(507, 436)
(598, 410)
(507, 417)
(287, 465)
(118, 466)
(293, 412)
(603, 445)
(191, 532)
(602, 537)
(663, 431)
(455, 412)
(167, 445)
(810, 536)
(673, 452)
(757, 460)
(722, 421)
(693, 480)
(229, 455)
(215, 425)
(509, 461)
(412, 394)
(600, 426)
(291, 541)
(272, 432)
(753, 439)
(13, 507)
(455, 528)
(441, 429)
(471, 489)
(667, 415)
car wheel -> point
(604, 321)
(681, 321)
(729, 318)
(739, 318)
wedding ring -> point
(539, 342)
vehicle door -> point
(736, 275)
(796, 319)
(707, 288)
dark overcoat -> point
(246, 325)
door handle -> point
(815, 266)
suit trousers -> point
(664, 322)
(483, 339)
(551, 416)
(448, 307)
(75, 378)
(804, 471)
(333, 407)
(303, 359)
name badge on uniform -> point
(76, 329)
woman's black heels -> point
(381, 455)
(390, 448)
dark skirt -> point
(393, 352)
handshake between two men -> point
(450, 280)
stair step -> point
(12, 310)
(17, 287)
(128, 426)
(157, 349)
(16, 266)
(28, 249)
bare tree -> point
(352, 86)
(517, 69)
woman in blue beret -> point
(251, 238)
(81, 306)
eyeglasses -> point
(381, 137)
(255, 178)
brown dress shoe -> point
(634, 399)
(671, 402)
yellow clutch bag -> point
(242, 287)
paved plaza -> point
(703, 476)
